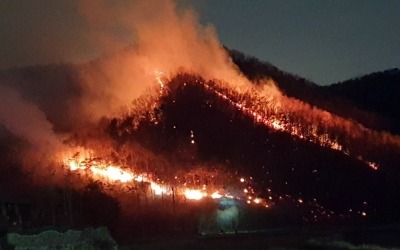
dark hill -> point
(377, 92)
(370, 100)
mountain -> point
(202, 124)
(276, 160)
(370, 100)
(378, 93)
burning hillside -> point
(170, 120)
(167, 127)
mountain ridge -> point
(339, 98)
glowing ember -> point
(284, 116)
(110, 173)
(216, 195)
(158, 190)
(193, 194)
(113, 173)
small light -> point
(216, 195)
(241, 179)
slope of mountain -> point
(292, 85)
(277, 161)
(370, 100)
(196, 127)
(377, 92)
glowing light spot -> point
(139, 178)
(192, 194)
(158, 190)
(113, 173)
(216, 195)
(242, 180)
(73, 165)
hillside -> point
(378, 93)
(370, 100)
(305, 165)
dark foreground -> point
(379, 238)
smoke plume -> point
(143, 37)
(27, 121)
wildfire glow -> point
(110, 173)
(278, 116)
(216, 195)
(258, 107)
(158, 190)
(193, 194)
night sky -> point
(323, 40)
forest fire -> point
(98, 169)
(273, 110)
(171, 132)
(280, 113)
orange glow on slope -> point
(112, 173)
(109, 173)
(278, 116)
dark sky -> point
(323, 40)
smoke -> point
(27, 121)
(140, 38)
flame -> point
(194, 194)
(266, 110)
(108, 172)
(257, 107)
(216, 195)
(112, 173)
(279, 113)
